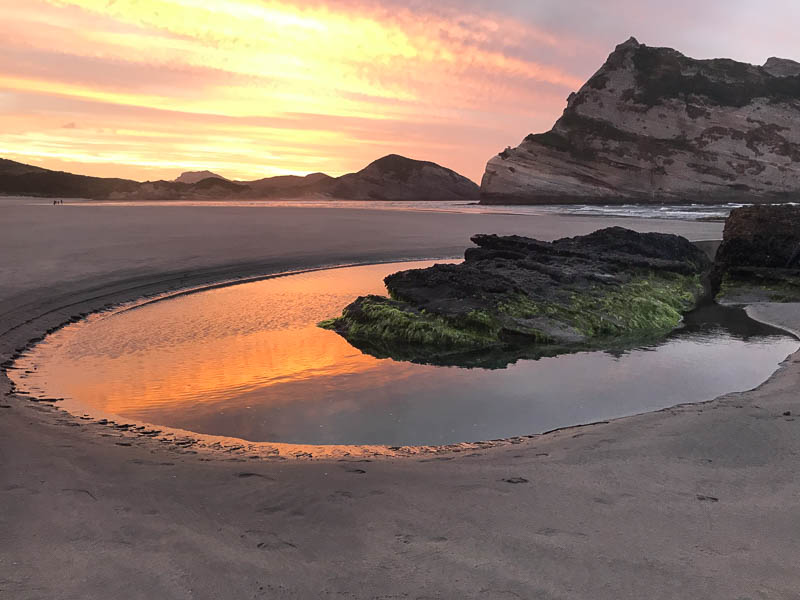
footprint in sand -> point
(703, 498)
(248, 475)
(516, 480)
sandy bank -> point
(694, 501)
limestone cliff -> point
(653, 125)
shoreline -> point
(211, 443)
(695, 500)
(387, 205)
(216, 444)
(513, 467)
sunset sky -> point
(251, 88)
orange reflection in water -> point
(211, 347)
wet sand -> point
(693, 501)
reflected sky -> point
(248, 361)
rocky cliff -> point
(653, 125)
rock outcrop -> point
(759, 258)
(515, 292)
(653, 125)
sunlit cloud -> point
(259, 88)
(148, 88)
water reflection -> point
(247, 361)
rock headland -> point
(655, 126)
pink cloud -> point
(323, 85)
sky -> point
(147, 89)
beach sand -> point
(696, 501)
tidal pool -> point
(248, 361)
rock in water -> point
(515, 292)
(759, 258)
(653, 125)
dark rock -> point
(760, 251)
(782, 67)
(761, 236)
(517, 296)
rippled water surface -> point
(248, 361)
(682, 212)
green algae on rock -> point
(518, 294)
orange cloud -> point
(254, 88)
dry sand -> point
(697, 501)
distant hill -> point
(210, 188)
(290, 185)
(392, 177)
(395, 177)
(9, 167)
(195, 176)
(18, 179)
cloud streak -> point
(258, 87)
